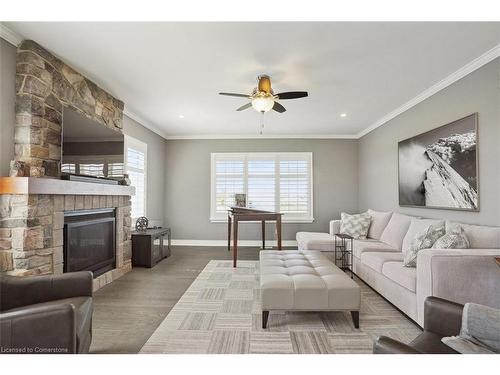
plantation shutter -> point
(271, 181)
(229, 180)
(262, 183)
(294, 187)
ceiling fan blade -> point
(278, 107)
(232, 94)
(292, 95)
(243, 107)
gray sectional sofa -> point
(460, 275)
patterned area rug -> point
(221, 313)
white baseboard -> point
(243, 243)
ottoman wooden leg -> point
(265, 316)
(355, 318)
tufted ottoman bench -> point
(305, 281)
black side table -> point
(343, 251)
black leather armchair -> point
(46, 314)
(442, 318)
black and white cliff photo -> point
(439, 168)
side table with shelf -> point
(148, 247)
(343, 252)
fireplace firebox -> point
(90, 241)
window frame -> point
(277, 156)
(140, 146)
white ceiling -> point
(163, 70)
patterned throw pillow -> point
(454, 239)
(355, 225)
(423, 240)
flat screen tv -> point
(90, 149)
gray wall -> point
(378, 157)
(155, 169)
(7, 104)
(187, 185)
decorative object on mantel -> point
(240, 200)
(439, 168)
(141, 224)
(125, 180)
(19, 169)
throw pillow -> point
(479, 236)
(455, 238)
(379, 222)
(423, 240)
(396, 229)
(416, 227)
(355, 225)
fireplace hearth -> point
(90, 241)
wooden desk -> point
(237, 214)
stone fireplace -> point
(32, 226)
(34, 201)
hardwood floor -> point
(128, 311)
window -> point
(136, 162)
(271, 181)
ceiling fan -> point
(263, 98)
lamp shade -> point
(263, 103)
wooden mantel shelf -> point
(37, 185)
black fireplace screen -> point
(89, 241)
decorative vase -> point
(125, 180)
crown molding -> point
(475, 64)
(263, 136)
(10, 36)
(144, 123)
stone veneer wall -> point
(44, 86)
(31, 226)
(31, 232)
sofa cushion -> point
(395, 230)
(368, 245)
(315, 241)
(375, 260)
(379, 222)
(355, 225)
(404, 276)
(479, 236)
(416, 227)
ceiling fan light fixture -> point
(263, 103)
